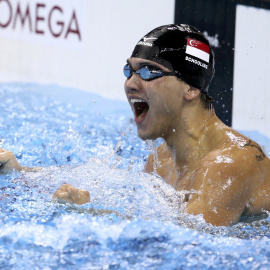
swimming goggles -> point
(147, 73)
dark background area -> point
(217, 17)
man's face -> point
(157, 104)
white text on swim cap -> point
(199, 63)
(145, 41)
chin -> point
(146, 136)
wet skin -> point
(8, 162)
(229, 173)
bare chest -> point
(179, 179)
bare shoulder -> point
(237, 152)
(236, 171)
(245, 159)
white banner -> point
(53, 22)
(75, 43)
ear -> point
(192, 93)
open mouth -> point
(140, 108)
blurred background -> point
(84, 44)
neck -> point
(187, 143)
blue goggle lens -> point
(145, 72)
(127, 71)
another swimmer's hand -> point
(68, 193)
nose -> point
(133, 84)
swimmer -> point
(167, 80)
(168, 75)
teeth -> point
(133, 100)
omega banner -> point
(75, 43)
(43, 21)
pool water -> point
(134, 220)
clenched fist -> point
(71, 194)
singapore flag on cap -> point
(198, 49)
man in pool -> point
(168, 75)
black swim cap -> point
(181, 48)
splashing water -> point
(134, 220)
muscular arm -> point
(225, 187)
(220, 204)
(225, 181)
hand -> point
(8, 161)
(68, 193)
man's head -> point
(182, 49)
(169, 68)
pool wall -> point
(251, 68)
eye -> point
(148, 74)
(145, 73)
(153, 69)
